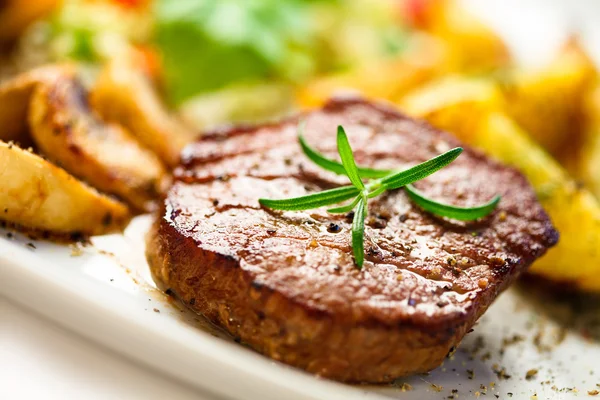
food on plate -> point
(285, 282)
(469, 109)
(68, 131)
(587, 161)
(122, 94)
(49, 108)
(36, 194)
(378, 182)
(15, 95)
(548, 102)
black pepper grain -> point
(333, 228)
(350, 216)
(372, 252)
(378, 223)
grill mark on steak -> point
(425, 281)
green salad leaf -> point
(207, 44)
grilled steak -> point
(285, 282)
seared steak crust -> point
(285, 282)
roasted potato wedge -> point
(471, 111)
(123, 95)
(586, 163)
(15, 95)
(36, 194)
(68, 132)
(548, 102)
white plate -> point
(106, 294)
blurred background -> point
(205, 52)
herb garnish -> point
(380, 182)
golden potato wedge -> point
(548, 102)
(106, 156)
(15, 95)
(586, 163)
(472, 113)
(442, 102)
(38, 195)
(123, 95)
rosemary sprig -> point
(314, 200)
(449, 211)
(381, 181)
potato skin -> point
(15, 96)
(36, 194)
(471, 111)
(108, 157)
(123, 95)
